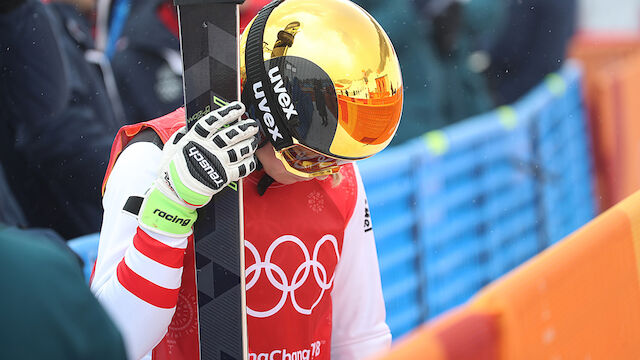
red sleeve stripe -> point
(157, 250)
(145, 290)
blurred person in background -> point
(434, 40)
(419, 62)
(532, 44)
(10, 211)
(459, 29)
(146, 59)
(57, 122)
(84, 8)
(47, 310)
(146, 54)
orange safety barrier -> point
(579, 299)
(608, 63)
(620, 105)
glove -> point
(196, 164)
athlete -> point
(323, 80)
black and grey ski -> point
(209, 45)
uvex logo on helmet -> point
(284, 100)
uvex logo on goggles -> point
(284, 100)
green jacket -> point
(421, 70)
(439, 90)
(46, 309)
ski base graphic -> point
(209, 46)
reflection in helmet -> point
(285, 39)
(340, 70)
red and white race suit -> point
(312, 277)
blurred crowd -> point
(74, 71)
(460, 58)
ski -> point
(209, 47)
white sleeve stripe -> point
(363, 348)
(142, 324)
(383, 334)
(167, 240)
(144, 334)
(161, 275)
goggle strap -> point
(264, 183)
(256, 71)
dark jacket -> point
(433, 50)
(10, 212)
(56, 120)
(532, 44)
(421, 69)
(147, 63)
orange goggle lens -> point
(305, 162)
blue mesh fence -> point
(466, 204)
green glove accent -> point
(189, 196)
(164, 215)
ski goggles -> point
(304, 162)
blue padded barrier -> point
(87, 248)
(460, 207)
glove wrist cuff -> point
(184, 192)
(163, 215)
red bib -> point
(294, 237)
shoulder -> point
(164, 127)
(137, 163)
(349, 180)
(24, 248)
(345, 189)
(168, 124)
(44, 269)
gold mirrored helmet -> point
(324, 81)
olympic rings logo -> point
(282, 282)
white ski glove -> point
(196, 165)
